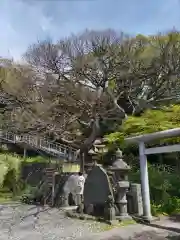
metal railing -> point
(54, 149)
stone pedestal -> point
(78, 199)
(65, 200)
(79, 203)
(121, 200)
(110, 212)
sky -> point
(24, 22)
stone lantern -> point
(93, 156)
(121, 169)
(98, 149)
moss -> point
(102, 225)
(7, 197)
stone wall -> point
(33, 172)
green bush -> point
(164, 181)
(164, 185)
(36, 159)
(10, 169)
(155, 209)
(10, 172)
(172, 205)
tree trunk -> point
(88, 143)
(82, 162)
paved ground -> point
(23, 222)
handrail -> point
(55, 149)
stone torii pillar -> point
(144, 183)
(145, 138)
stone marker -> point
(135, 205)
(97, 188)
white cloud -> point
(20, 25)
(23, 22)
(46, 23)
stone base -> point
(112, 222)
(74, 214)
(124, 217)
(150, 219)
(144, 219)
(68, 208)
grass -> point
(98, 227)
(98, 224)
(37, 159)
(7, 197)
(107, 227)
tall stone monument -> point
(97, 190)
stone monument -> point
(97, 190)
(134, 196)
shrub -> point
(36, 159)
(10, 169)
(164, 188)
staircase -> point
(50, 181)
(49, 174)
(54, 149)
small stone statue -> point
(109, 211)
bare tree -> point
(17, 93)
(97, 78)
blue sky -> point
(23, 22)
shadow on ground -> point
(175, 217)
(147, 236)
(173, 237)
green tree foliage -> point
(149, 122)
(163, 179)
(153, 121)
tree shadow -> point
(156, 224)
(173, 237)
(36, 214)
(150, 235)
(175, 217)
(154, 236)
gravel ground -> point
(136, 232)
(24, 222)
(149, 235)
